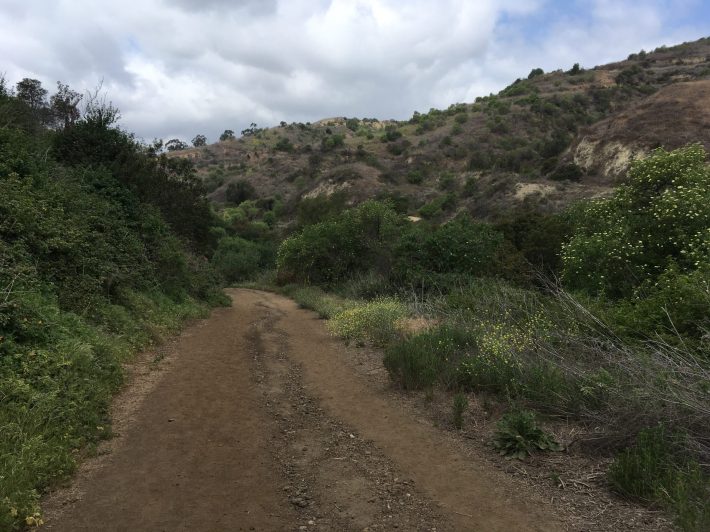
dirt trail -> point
(258, 421)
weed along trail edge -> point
(256, 420)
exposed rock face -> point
(523, 190)
(609, 159)
(672, 117)
(326, 189)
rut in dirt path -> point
(257, 422)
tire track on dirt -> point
(257, 423)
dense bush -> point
(538, 237)
(328, 252)
(284, 144)
(391, 134)
(437, 206)
(170, 184)
(459, 246)
(237, 259)
(650, 240)
(567, 172)
(320, 208)
(330, 142)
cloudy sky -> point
(180, 67)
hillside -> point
(545, 140)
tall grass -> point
(313, 298)
(563, 356)
(657, 469)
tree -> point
(175, 145)
(574, 70)
(535, 72)
(98, 112)
(64, 105)
(32, 93)
(227, 135)
(253, 129)
(353, 124)
(199, 140)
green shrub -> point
(366, 285)
(373, 322)
(676, 306)
(357, 240)
(480, 160)
(459, 246)
(236, 259)
(656, 470)
(656, 223)
(331, 142)
(284, 144)
(518, 435)
(320, 208)
(213, 181)
(539, 237)
(518, 88)
(415, 177)
(399, 147)
(470, 187)
(391, 134)
(435, 207)
(447, 181)
(353, 124)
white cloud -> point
(178, 67)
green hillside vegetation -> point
(103, 247)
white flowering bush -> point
(659, 219)
(652, 232)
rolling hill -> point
(542, 142)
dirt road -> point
(258, 420)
